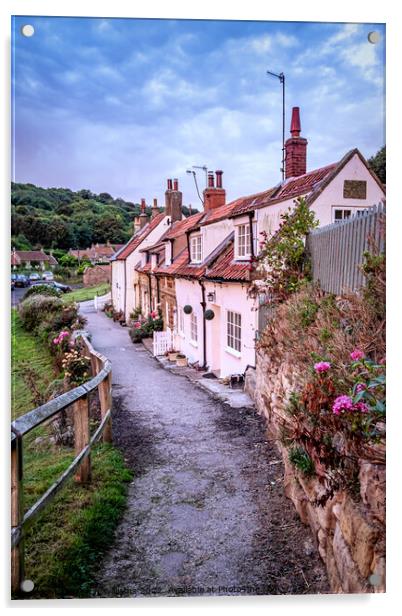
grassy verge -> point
(82, 295)
(63, 545)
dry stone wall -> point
(349, 532)
(97, 274)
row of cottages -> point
(97, 253)
(198, 270)
(26, 259)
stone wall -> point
(97, 274)
(349, 533)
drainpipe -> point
(188, 243)
(125, 287)
(204, 321)
(150, 292)
(250, 217)
(158, 295)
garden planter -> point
(172, 356)
(181, 361)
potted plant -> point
(181, 360)
(172, 355)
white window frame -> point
(243, 241)
(354, 211)
(193, 329)
(233, 332)
(196, 248)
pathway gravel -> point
(206, 513)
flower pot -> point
(172, 356)
(181, 361)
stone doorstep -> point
(235, 398)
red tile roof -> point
(19, 256)
(226, 268)
(181, 266)
(139, 237)
(180, 227)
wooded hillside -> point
(62, 218)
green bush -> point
(42, 289)
(38, 308)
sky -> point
(120, 105)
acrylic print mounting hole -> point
(28, 30)
(373, 37)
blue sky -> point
(120, 105)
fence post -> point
(81, 438)
(17, 552)
(105, 397)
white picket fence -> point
(162, 342)
(99, 302)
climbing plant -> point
(281, 265)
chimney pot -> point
(295, 148)
(143, 206)
(295, 126)
(169, 184)
(218, 178)
(210, 179)
(175, 184)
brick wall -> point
(97, 274)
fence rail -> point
(337, 250)
(83, 441)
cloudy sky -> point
(120, 105)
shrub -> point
(136, 334)
(299, 457)
(38, 308)
(42, 289)
(76, 367)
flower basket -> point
(187, 309)
(181, 360)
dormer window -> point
(196, 249)
(243, 240)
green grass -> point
(25, 348)
(64, 543)
(82, 295)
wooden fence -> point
(78, 398)
(337, 250)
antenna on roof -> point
(204, 168)
(281, 78)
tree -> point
(377, 163)
(20, 242)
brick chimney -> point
(155, 209)
(295, 148)
(143, 215)
(173, 201)
(136, 224)
(214, 196)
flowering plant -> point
(76, 367)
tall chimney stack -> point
(155, 209)
(295, 148)
(214, 196)
(176, 202)
(143, 214)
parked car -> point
(21, 280)
(34, 277)
(13, 277)
(64, 288)
(47, 276)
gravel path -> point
(206, 513)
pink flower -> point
(361, 406)
(322, 366)
(342, 403)
(137, 325)
(153, 314)
(360, 387)
(56, 341)
(356, 355)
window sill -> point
(233, 352)
(194, 343)
(243, 258)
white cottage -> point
(213, 272)
(125, 284)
